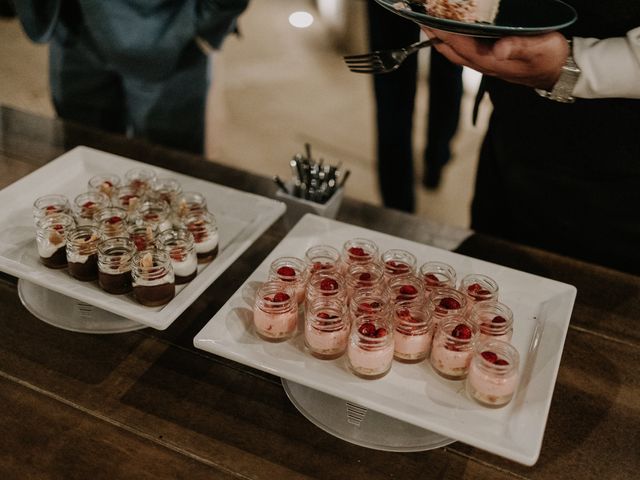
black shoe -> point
(431, 178)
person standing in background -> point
(132, 66)
(395, 94)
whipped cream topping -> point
(208, 243)
(184, 268)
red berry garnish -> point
(397, 267)
(280, 297)
(369, 307)
(489, 356)
(125, 199)
(115, 219)
(365, 277)
(88, 204)
(449, 303)
(326, 316)
(431, 279)
(57, 226)
(151, 217)
(286, 271)
(367, 329)
(476, 290)
(328, 284)
(498, 319)
(408, 290)
(177, 254)
(461, 331)
(357, 252)
(501, 362)
(140, 243)
(50, 208)
(381, 332)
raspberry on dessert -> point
(88, 204)
(461, 331)
(327, 316)
(177, 254)
(281, 297)
(498, 319)
(367, 329)
(431, 279)
(408, 290)
(328, 284)
(381, 332)
(476, 289)
(449, 303)
(489, 356)
(368, 307)
(365, 277)
(140, 242)
(358, 252)
(501, 361)
(113, 220)
(286, 271)
(398, 267)
(51, 208)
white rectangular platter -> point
(242, 218)
(414, 393)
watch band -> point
(563, 89)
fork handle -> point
(414, 47)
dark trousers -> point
(395, 98)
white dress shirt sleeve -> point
(610, 67)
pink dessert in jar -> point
(493, 373)
(398, 262)
(322, 257)
(370, 349)
(275, 312)
(406, 288)
(495, 320)
(452, 348)
(369, 276)
(326, 328)
(479, 288)
(326, 284)
(368, 302)
(293, 271)
(437, 275)
(444, 303)
(413, 335)
(358, 250)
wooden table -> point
(147, 404)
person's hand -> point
(534, 61)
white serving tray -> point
(414, 393)
(242, 218)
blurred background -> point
(281, 84)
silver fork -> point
(385, 61)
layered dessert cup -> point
(127, 198)
(326, 331)
(49, 205)
(493, 373)
(156, 214)
(398, 262)
(326, 284)
(275, 312)
(406, 288)
(106, 183)
(140, 179)
(143, 236)
(204, 228)
(479, 288)
(494, 319)
(87, 205)
(371, 346)
(322, 257)
(152, 278)
(189, 203)
(437, 275)
(82, 252)
(165, 190)
(114, 265)
(111, 222)
(369, 302)
(51, 239)
(359, 251)
(368, 276)
(178, 243)
(444, 303)
(413, 335)
(293, 271)
(453, 346)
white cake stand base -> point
(358, 425)
(70, 314)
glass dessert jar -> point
(368, 302)
(322, 257)
(444, 303)
(82, 252)
(326, 284)
(152, 278)
(140, 179)
(189, 203)
(51, 239)
(111, 222)
(178, 243)
(437, 275)
(326, 329)
(105, 183)
(154, 213)
(479, 288)
(406, 288)
(493, 373)
(50, 204)
(87, 204)
(293, 271)
(452, 348)
(143, 236)
(370, 348)
(494, 319)
(165, 190)
(275, 312)
(127, 198)
(398, 262)
(368, 276)
(359, 250)
(204, 228)
(114, 265)
(413, 334)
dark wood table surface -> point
(147, 404)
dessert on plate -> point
(82, 252)
(326, 330)
(178, 243)
(204, 229)
(370, 349)
(152, 278)
(468, 11)
(275, 312)
(452, 348)
(51, 239)
(413, 333)
(493, 373)
(114, 265)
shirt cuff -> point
(610, 67)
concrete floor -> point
(277, 87)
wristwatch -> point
(563, 88)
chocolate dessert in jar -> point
(155, 213)
(290, 270)
(114, 265)
(50, 204)
(165, 190)
(139, 179)
(143, 236)
(370, 347)
(322, 257)
(111, 222)
(479, 288)
(452, 348)
(437, 275)
(494, 319)
(51, 239)
(275, 312)
(326, 328)
(188, 203)
(398, 262)
(152, 278)
(87, 204)
(82, 252)
(493, 373)
(106, 183)
(204, 228)
(178, 243)
(413, 333)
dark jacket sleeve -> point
(38, 18)
(217, 18)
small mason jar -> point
(127, 198)
(359, 250)
(114, 265)
(368, 302)
(143, 236)
(87, 204)
(327, 284)
(495, 320)
(413, 333)
(444, 303)
(51, 239)
(178, 243)
(479, 288)
(275, 312)
(111, 222)
(452, 347)
(406, 288)
(368, 276)
(370, 348)
(326, 329)
(152, 278)
(82, 252)
(437, 275)
(493, 373)
(293, 271)
(154, 213)
(398, 262)
(106, 183)
(140, 179)
(165, 190)
(322, 257)
(50, 204)
(189, 203)
(204, 228)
